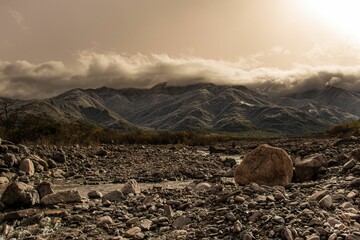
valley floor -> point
(182, 192)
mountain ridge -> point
(203, 106)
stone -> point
(168, 211)
(318, 195)
(27, 166)
(95, 194)
(355, 183)
(105, 220)
(102, 153)
(4, 180)
(349, 164)
(59, 157)
(131, 187)
(326, 202)
(71, 196)
(307, 169)
(265, 165)
(113, 196)
(288, 234)
(237, 227)
(181, 221)
(355, 154)
(19, 194)
(132, 232)
(10, 160)
(51, 163)
(145, 224)
(202, 186)
(44, 188)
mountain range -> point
(205, 107)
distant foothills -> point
(200, 107)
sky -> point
(48, 46)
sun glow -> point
(342, 15)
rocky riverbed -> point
(176, 192)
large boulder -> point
(265, 165)
(27, 166)
(308, 168)
(71, 196)
(19, 194)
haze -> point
(49, 46)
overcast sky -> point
(50, 46)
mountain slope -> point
(203, 107)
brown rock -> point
(27, 166)
(19, 194)
(113, 196)
(131, 187)
(265, 165)
(44, 188)
(71, 196)
(10, 160)
(308, 168)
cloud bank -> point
(25, 80)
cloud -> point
(279, 50)
(22, 79)
(18, 17)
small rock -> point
(4, 180)
(27, 166)
(204, 186)
(349, 164)
(131, 187)
(59, 157)
(308, 168)
(113, 196)
(145, 224)
(44, 188)
(10, 160)
(237, 227)
(132, 232)
(355, 183)
(71, 196)
(95, 194)
(326, 202)
(105, 220)
(180, 222)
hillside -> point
(205, 107)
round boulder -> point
(265, 165)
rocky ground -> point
(175, 192)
